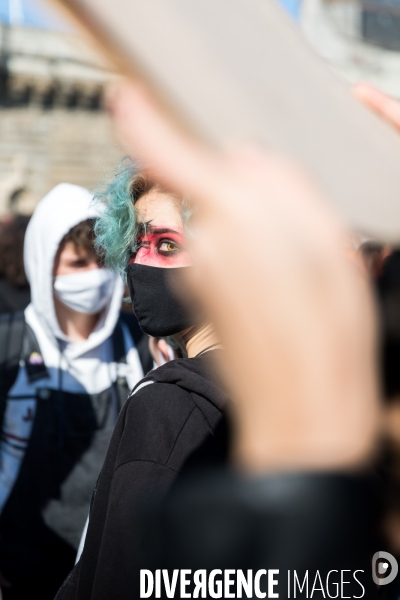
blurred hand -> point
(295, 316)
(385, 106)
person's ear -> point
(165, 350)
(160, 350)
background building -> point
(53, 126)
(359, 38)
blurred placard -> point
(240, 69)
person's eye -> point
(167, 247)
(79, 264)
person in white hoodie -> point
(66, 366)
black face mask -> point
(156, 307)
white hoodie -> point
(77, 367)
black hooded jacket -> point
(172, 421)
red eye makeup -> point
(161, 247)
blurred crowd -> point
(14, 284)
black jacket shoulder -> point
(156, 422)
(171, 411)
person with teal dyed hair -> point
(174, 417)
(117, 230)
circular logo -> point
(381, 561)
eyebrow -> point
(148, 227)
(160, 230)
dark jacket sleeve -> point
(297, 523)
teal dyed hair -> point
(116, 229)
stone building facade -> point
(360, 39)
(53, 126)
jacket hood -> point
(195, 375)
(60, 210)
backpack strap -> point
(32, 357)
(140, 339)
(18, 343)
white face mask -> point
(86, 292)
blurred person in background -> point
(388, 292)
(14, 286)
(373, 255)
(67, 364)
(174, 418)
